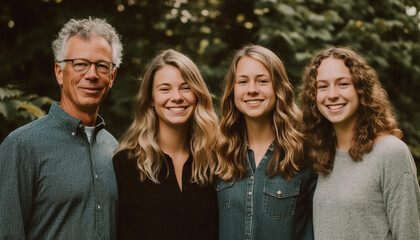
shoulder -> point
(29, 133)
(121, 154)
(21, 146)
(390, 144)
(122, 158)
(392, 150)
(124, 164)
(308, 175)
(394, 157)
(106, 136)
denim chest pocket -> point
(223, 189)
(280, 197)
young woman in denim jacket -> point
(265, 189)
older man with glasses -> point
(56, 175)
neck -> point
(259, 133)
(88, 115)
(172, 140)
(344, 137)
(344, 131)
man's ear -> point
(111, 82)
(58, 73)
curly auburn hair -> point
(141, 138)
(287, 156)
(375, 113)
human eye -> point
(80, 63)
(185, 87)
(241, 81)
(262, 81)
(163, 89)
(321, 86)
(103, 65)
(344, 83)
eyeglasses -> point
(82, 66)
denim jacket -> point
(259, 207)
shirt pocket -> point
(223, 189)
(280, 197)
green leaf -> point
(6, 93)
(9, 109)
(285, 9)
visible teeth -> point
(253, 101)
(177, 109)
(335, 106)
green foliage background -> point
(208, 32)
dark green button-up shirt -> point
(54, 184)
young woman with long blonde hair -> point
(265, 188)
(367, 185)
(165, 163)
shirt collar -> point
(71, 123)
(270, 148)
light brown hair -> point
(375, 113)
(141, 139)
(286, 119)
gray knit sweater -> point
(376, 198)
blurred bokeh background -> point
(386, 33)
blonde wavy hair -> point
(141, 139)
(375, 113)
(286, 119)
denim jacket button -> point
(278, 192)
(252, 177)
(249, 193)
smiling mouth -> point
(253, 101)
(334, 107)
(177, 109)
(91, 90)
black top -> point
(161, 211)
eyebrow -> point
(337, 79)
(160, 84)
(258, 75)
(167, 84)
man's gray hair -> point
(85, 28)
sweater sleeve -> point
(401, 194)
(16, 190)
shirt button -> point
(96, 176)
(252, 177)
(99, 206)
(278, 192)
(73, 134)
(249, 193)
(249, 214)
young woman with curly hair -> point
(265, 189)
(367, 187)
(165, 163)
